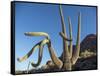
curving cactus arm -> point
(40, 45)
(54, 57)
(29, 53)
(64, 37)
(40, 54)
(34, 47)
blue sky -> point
(32, 17)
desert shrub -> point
(87, 53)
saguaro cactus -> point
(69, 56)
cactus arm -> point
(77, 51)
(37, 34)
(64, 37)
(62, 21)
(40, 54)
(28, 54)
(70, 35)
(53, 56)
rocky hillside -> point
(89, 63)
(89, 43)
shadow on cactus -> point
(70, 56)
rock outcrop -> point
(89, 43)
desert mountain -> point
(89, 43)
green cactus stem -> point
(70, 35)
(77, 50)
